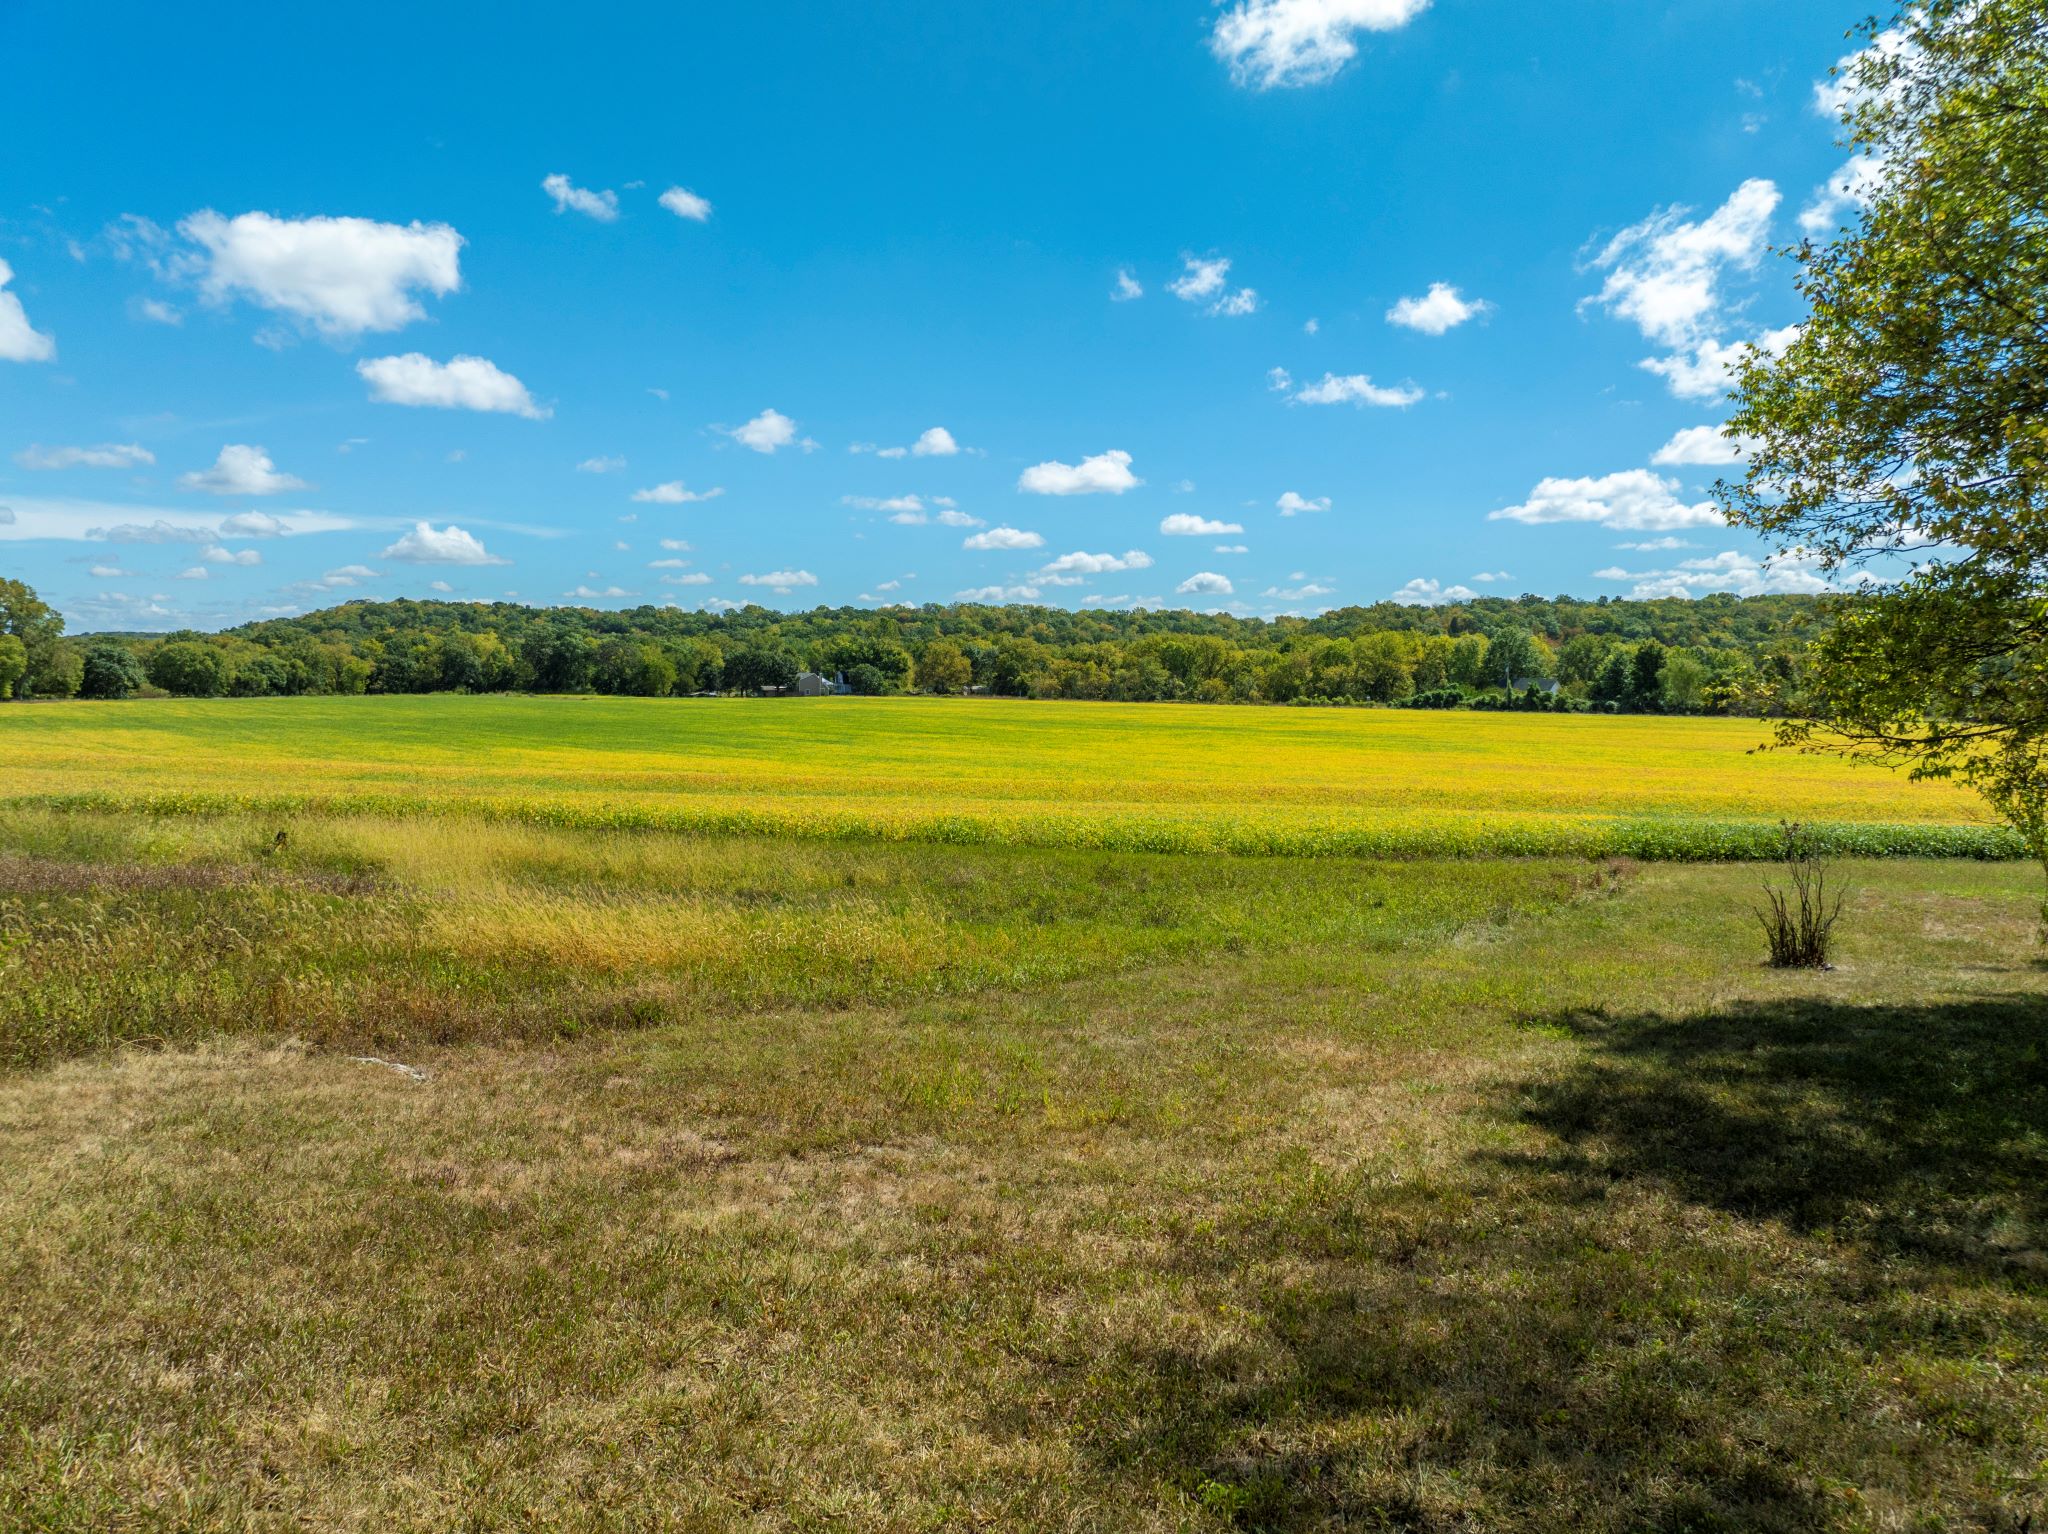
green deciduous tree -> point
(1909, 420)
(13, 664)
(109, 671)
(51, 667)
(191, 668)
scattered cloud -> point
(150, 532)
(1635, 499)
(604, 594)
(1231, 548)
(1292, 505)
(782, 582)
(998, 594)
(1428, 593)
(1186, 525)
(1082, 563)
(1743, 574)
(933, 442)
(450, 545)
(1279, 380)
(1490, 577)
(1311, 325)
(1703, 446)
(769, 430)
(1655, 545)
(1706, 372)
(341, 580)
(678, 545)
(19, 340)
(1310, 592)
(604, 465)
(1277, 43)
(691, 578)
(1206, 583)
(1356, 389)
(441, 586)
(602, 206)
(1205, 280)
(343, 276)
(195, 573)
(1664, 274)
(1003, 538)
(685, 203)
(1442, 308)
(952, 517)
(241, 470)
(675, 493)
(1104, 474)
(1127, 287)
(216, 555)
(1854, 186)
(159, 312)
(108, 455)
(464, 383)
(254, 524)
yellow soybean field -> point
(1133, 777)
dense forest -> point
(1717, 654)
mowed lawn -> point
(736, 1184)
(1150, 777)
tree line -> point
(1717, 654)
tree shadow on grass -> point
(1918, 1131)
(1747, 1278)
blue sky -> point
(654, 303)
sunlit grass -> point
(1135, 778)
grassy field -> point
(1148, 777)
(435, 1172)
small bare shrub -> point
(1800, 921)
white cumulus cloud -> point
(1703, 446)
(1269, 43)
(675, 493)
(1205, 583)
(1293, 505)
(934, 442)
(1442, 308)
(450, 545)
(463, 383)
(1205, 280)
(1184, 524)
(1664, 274)
(241, 470)
(602, 206)
(1428, 593)
(1127, 287)
(1104, 474)
(1356, 389)
(998, 594)
(769, 430)
(1634, 499)
(685, 203)
(1081, 562)
(19, 340)
(344, 276)
(604, 465)
(1743, 574)
(781, 581)
(1003, 538)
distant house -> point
(1521, 684)
(809, 684)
